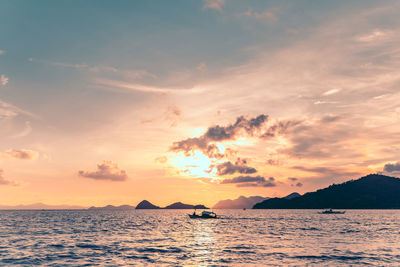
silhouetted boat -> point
(203, 215)
(330, 211)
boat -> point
(203, 215)
(330, 211)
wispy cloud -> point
(331, 92)
(376, 34)
(4, 181)
(270, 14)
(214, 4)
(2, 52)
(24, 154)
(3, 79)
(59, 64)
(106, 171)
(8, 110)
(86, 67)
(25, 131)
(202, 66)
(161, 159)
(251, 181)
(126, 86)
(172, 115)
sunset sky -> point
(113, 102)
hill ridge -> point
(373, 191)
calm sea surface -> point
(170, 237)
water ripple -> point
(169, 237)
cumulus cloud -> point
(280, 128)
(205, 143)
(3, 79)
(214, 4)
(240, 166)
(392, 167)
(292, 180)
(24, 154)
(106, 171)
(4, 181)
(250, 181)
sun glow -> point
(196, 165)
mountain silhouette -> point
(239, 203)
(41, 206)
(292, 195)
(180, 205)
(373, 191)
(245, 202)
(144, 205)
(177, 205)
(111, 207)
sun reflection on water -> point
(205, 241)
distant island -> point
(180, 205)
(239, 203)
(41, 206)
(245, 202)
(177, 205)
(111, 207)
(146, 205)
(373, 191)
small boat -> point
(203, 215)
(330, 211)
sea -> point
(171, 238)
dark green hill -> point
(369, 192)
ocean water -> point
(170, 237)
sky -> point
(113, 102)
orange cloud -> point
(105, 171)
(214, 4)
(24, 154)
(3, 79)
(4, 181)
